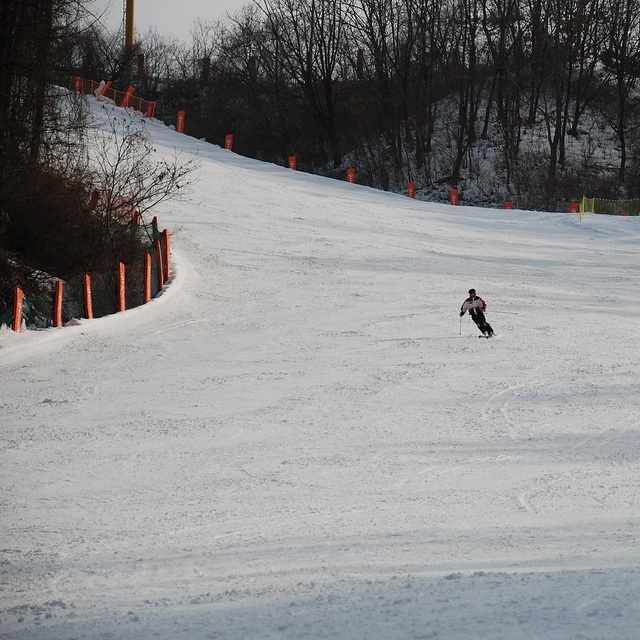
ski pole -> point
(511, 313)
(460, 326)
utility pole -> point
(128, 43)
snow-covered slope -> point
(300, 439)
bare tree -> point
(310, 33)
(384, 31)
(588, 82)
(469, 76)
(502, 26)
(426, 19)
(622, 57)
(129, 179)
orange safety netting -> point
(121, 98)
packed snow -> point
(300, 438)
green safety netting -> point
(609, 207)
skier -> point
(476, 307)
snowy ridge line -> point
(103, 91)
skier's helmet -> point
(472, 292)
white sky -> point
(169, 18)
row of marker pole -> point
(163, 277)
(574, 207)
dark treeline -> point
(537, 100)
(61, 207)
(494, 94)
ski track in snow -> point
(299, 439)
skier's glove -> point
(461, 313)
